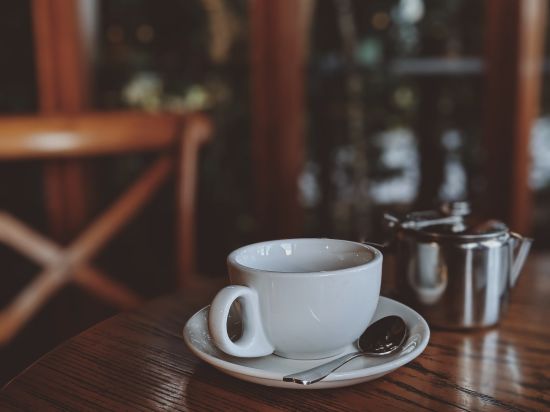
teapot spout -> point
(520, 254)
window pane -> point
(182, 55)
(403, 109)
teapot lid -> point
(452, 221)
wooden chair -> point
(176, 139)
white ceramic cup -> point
(300, 298)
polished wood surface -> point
(138, 361)
(514, 53)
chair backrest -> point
(89, 134)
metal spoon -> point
(383, 337)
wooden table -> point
(138, 361)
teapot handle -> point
(521, 253)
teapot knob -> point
(460, 208)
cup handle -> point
(253, 341)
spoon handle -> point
(317, 373)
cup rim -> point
(377, 256)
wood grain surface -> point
(138, 361)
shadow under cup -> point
(305, 298)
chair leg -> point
(27, 241)
(106, 288)
(197, 130)
(106, 225)
(56, 273)
(71, 264)
(46, 252)
(20, 310)
(62, 265)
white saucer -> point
(269, 370)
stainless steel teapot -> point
(456, 273)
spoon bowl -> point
(381, 338)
